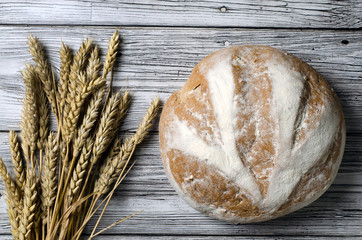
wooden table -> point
(161, 42)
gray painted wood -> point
(156, 61)
(337, 213)
(245, 13)
(164, 212)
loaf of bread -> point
(254, 134)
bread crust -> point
(254, 134)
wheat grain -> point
(79, 170)
(44, 71)
(93, 65)
(107, 168)
(76, 105)
(138, 137)
(79, 62)
(89, 120)
(111, 54)
(13, 214)
(43, 114)
(29, 124)
(116, 148)
(49, 179)
(16, 159)
(109, 61)
(105, 128)
(65, 63)
(10, 186)
(146, 121)
(30, 197)
(77, 81)
(109, 173)
(123, 107)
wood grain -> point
(336, 214)
(245, 13)
(157, 61)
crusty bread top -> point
(254, 134)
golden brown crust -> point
(207, 188)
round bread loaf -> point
(254, 134)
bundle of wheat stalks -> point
(72, 173)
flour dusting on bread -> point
(254, 134)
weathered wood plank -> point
(337, 213)
(141, 237)
(169, 215)
(105, 237)
(157, 61)
(246, 13)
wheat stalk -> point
(65, 63)
(16, 159)
(13, 214)
(110, 171)
(94, 65)
(79, 170)
(43, 114)
(77, 81)
(104, 132)
(147, 121)
(95, 101)
(89, 120)
(123, 107)
(85, 135)
(49, 178)
(78, 64)
(111, 54)
(108, 168)
(76, 105)
(29, 124)
(29, 208)
(116, 148)
(10, 186)
(105, 128)
(62, 154)
(44, 71)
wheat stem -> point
(114, 224)
(92, 210)
(119, 180)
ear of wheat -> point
(55, 192)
